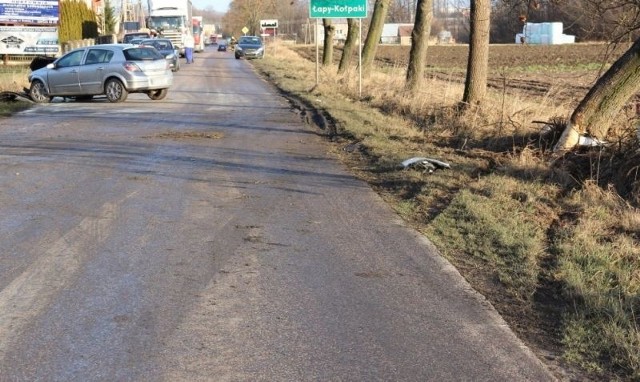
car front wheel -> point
(38, 92)
(115, 91)
(157, 95)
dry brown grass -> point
(14, 78)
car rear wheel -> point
(38, 92)
(157, 95)
(115, 91)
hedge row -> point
(77, 21)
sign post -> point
(338, 9)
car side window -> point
(98, 56)
(71, 59)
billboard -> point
(29, 11)
(29, 40)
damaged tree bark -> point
(599, 107)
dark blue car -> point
(249, 47)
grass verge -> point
(552, 245)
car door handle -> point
(100, 68)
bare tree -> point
(401, 11)
(475, 87)
(373, 36)
(419, 44)
(327, 51)
(353, 36)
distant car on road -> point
(114, 70)
(166, 48)
(249, 47)
(222, 47)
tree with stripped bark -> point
(597, 110)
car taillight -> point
(131, 67)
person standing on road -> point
(189, 44)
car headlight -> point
(238, 48)
(170, 56)
(260, 49)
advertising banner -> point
(29, 40)
(29, 11)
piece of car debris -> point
(428, 164)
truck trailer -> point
(198, 34)
(171, 19)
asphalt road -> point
(211, 236)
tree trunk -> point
(380, 10)
(419, 44)
(353, 36)
(604, 100)
(475, 86)
(327, 51)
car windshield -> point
(250, 41)
(142, 53)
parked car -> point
(114, 70)
(137, 40)
(126, 39)
(167, 49)
(249, 47)
(222, 47)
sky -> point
(217, 5)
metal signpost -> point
(338, 9)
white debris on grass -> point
(428, 164)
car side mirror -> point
(51, 66)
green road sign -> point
(335, 9)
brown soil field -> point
(537, 69)
(510, 55)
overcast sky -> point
(217, 5)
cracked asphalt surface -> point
(211, 236)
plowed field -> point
(536, 69)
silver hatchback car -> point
(114, 70)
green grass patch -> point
(599, 263)
(8, 108)
(490, 223)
